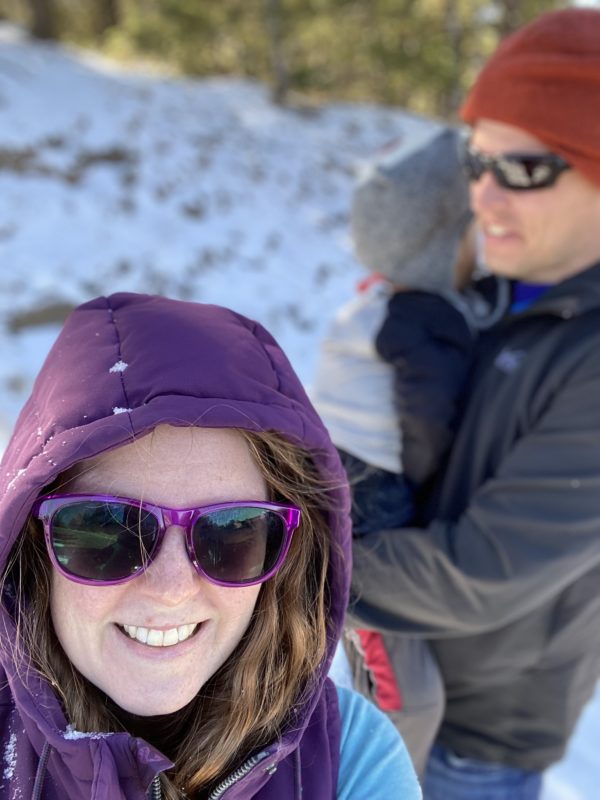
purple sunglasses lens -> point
(238, 545)
(102, 541)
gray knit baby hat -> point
(409, 213)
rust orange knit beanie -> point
(545, 79)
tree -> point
(511, 17)
(106, 15)
(419, 54)
(450, 99)
(43, 19)
(280, 75)
(513, 14)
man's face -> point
(538, 236)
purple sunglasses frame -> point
(46, 506)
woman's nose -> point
(171, 576)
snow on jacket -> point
(114, 373)
(505, 579)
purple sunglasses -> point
(102, 540)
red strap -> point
(387, 691)
(370, 280)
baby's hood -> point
(410, 211)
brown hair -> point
(249, 699)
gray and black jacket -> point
(505, 579)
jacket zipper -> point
(155, 792)
(40, 774)
(240, 773)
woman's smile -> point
(154, 637)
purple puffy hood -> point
(121, 366)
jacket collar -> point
(570, 298)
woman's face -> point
(180, 468)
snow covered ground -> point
(113, 180)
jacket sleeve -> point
(374, 761)
(428, 343)
(528, 533)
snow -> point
(18, 475)
(119, 366)
(112, 180)
(72, 734)
(10, 756)
(115, 181)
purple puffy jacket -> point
(187, 364)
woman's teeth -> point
(155, 638)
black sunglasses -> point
(520, 172)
